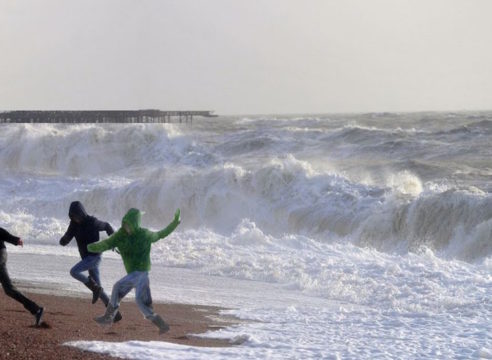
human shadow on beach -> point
(43, 326)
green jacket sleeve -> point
(107, 244)
(169, 229)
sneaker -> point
(107, 318)
(117, 317)
(38, 316)
(104, 320)
(96, 293)
(160, 323)
(95, 288)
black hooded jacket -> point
(85, 232)
(6, 236)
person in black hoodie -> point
(7, 285)
(85, 229)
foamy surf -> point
(374, 229)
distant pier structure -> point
(104, 116)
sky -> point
(246, 56)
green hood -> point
(135, 247)
(132, 218)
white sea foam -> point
(351, 236)
(372, 306)
(157, 168)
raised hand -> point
(177, 216)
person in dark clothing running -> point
(85, 229)
(7, 285)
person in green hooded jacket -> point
(133, 243)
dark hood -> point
(77, 209)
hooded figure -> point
(133, 243)
(85, 229)
(8, 287)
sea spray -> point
(331, 236)
(348, 183)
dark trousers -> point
(10, 289)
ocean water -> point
(351, 236)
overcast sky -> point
(246, 56)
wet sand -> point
(70, 318)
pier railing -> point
(104, 116)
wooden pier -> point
(104, 116)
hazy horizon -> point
(244, 58)
(306, 113)
(277, 113)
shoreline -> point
(68, 316)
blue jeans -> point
(90, 264)
(140, 281)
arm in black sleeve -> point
(68, 235)
(6, 236)
(103, 226)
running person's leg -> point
(87, 264)
(94, 274)
(143, 299)
(120, 289)
(11, 290)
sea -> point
(335, 236)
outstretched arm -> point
(104, 226)
(6, 236)
(68, 236)
(169, 229)
(104, 245)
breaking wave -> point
(270, 179)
